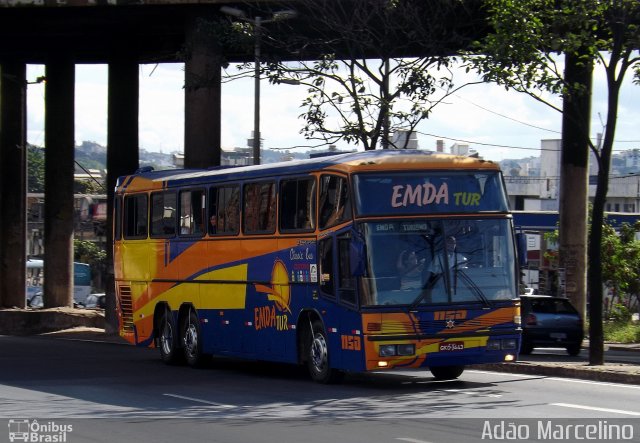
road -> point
(109, 392)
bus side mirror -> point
(357, 254)
(521, 245)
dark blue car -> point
(550, 322)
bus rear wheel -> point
(192, 340)
(446, 372)
(318, 357)
(168, 339)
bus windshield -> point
(445, 261)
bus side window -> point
(326, 266)
(335, 204)
(135, 208)
(192, 212)
(224, 208)
(163, 214)
(260, 208)
(297, 204)
(347, 282)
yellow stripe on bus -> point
(224, 295)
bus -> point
(35, 281)
(299, 262)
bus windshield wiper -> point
(426, 289)
(475, 289)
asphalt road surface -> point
(79, 391)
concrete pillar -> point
(202, 96)
(58, 183)
(13, 183)
(122, 153)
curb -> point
(593, 373)
(40, 321)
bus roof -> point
(378, 160)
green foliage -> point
(88, 187)
(620, 313)
(35, 169)
(88, 252)
(622, 332)
(366, 92)
(620, 256)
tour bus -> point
(377, 260)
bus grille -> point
(126, 307)
(400, 327)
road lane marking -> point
(508, 374)
(591, 382)
(198, 400)
(593, 408)
(411, 440)
(473, 392)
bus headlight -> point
(387, 350)
(393, 350)
(406, 349)
(506, 343)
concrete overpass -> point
(122, 34)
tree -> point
(620, 259)
(522, 53)
(621, 262)
(35, 168)
(379, 67)
(88, 252)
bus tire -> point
(168, 339)
(318, 357)
(447, 372)
(192, 340)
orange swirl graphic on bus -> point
(279, 291)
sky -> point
(499, 124)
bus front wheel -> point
(446, 372)
(318, 357)
(168, 339)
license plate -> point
(452, 346)
(558, 335)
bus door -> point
(337, 282)
(338, 286)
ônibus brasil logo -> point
(32, 431)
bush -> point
(622, 332)
(620, 313)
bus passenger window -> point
(224, 208)
(163, 214)
(326, 266)
(260, 208)
(135, 207)
(335, 205)
(297, 204)
(192, 212)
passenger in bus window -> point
(449, 255)
(410, 269)
(213, 224)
